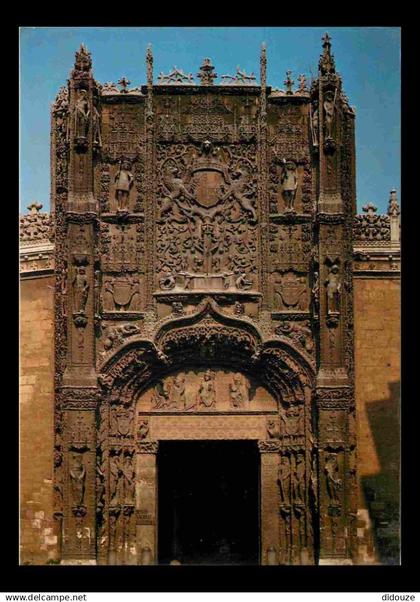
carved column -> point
(150, 176)
(78, 388)
(79, 467)
(146, 502)
(335, 371)
(262, 179)
(269, 503)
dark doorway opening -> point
(208, 502)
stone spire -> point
(326, 60)
(82, 63)
(393, 206)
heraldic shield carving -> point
(202, 308)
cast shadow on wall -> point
(382, 490)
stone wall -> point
(38, 539)
(377, 360)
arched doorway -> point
(206, 378)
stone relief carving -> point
(207, 220)
(290, 291)
(121, 293)
(239, 391)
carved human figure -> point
(97, 137)
(334, 483)
(143, 429)
(272, 429)
(128, 479)
(116, 485)
(315, 124)
(78, 478)
(292, 421)
(284, 475)
(207, 393)
(80, 289)
(238, 391)
(124, 181)
(161, 396)
(315, 293)
(289, 183)
(82, 115)
(329, 113)
(178, 392)
(333, 284)
(298, 480)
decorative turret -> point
(394, 216)
(206, 75)
(326, 60)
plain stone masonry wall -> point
(377, 360)
(38, 540)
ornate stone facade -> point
(203, 287)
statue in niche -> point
(315, 294)
(143, 429)
(329, 112)
(333, 285)
(334, 484)
(81, 289)
(82, 115)
(238, 391)
(177, 395)
(289, 183)
(161, 396)
(96, 126)
(78, 478)
(207, 393)
(298, 480)
(128, 480)
(116, 486)
(124, 181)
(284, 475)
(315, 123)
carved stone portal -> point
(203, 292)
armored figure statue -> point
(128, 480)
(123, 183)
(289, 182)
(82, 115)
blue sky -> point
(368, 59)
